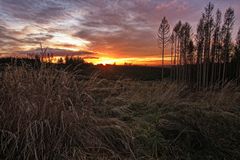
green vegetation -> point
(53, 114)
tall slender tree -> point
(185, 39)
(190, 59)
(236, 58)
(215, 52)
(163, 38)
(216, 36)
(211, 55)
(185, 34)
(176, 30)
(199, 41)
(172, 41)
(190, 52)
(227, 28)
(199, 46)
(208, 28)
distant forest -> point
(210, 57)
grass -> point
(52, 114)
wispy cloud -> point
(117, 28)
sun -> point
(107, 60)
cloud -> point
(39, 11)
(37, 38)
(117, 27)
(57, 52)
(12, 40)
(114, 28)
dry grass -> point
(49, 114)
(172, 122)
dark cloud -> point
(90, 57)
(37, 38)
(12, 40)
(39, 11)
(120, 28)
(8, 34)
(57, 52)
(66, 45)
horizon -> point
(105, 32)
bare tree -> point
(208, 28)
(172, 41)
(237, 56)
(200, 46)
(190, 59)
(215, 52)
(176, 31)
(227, 28)
(185, 39)
(185, 35)
(163, 38)
(210, 55)
(190, 52)
(43, 52)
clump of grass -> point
(49, 114)
(201, 133)
(170, 121)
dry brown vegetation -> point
(52, 114)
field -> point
(53, 114)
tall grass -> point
(52, 114)
(48, 114)
(170, 121)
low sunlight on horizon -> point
(120, 79)
(106, 32)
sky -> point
(101, 31)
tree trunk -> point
(163, 45)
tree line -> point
(206, 58)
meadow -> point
(50, 113)
(109, 82)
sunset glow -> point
(112, 61)
(127, 61)
(109, 32)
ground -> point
(53, 114)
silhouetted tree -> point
(172, 41)
(60, 61)
(190, 53)
(190, 59)
(210, 57)
(185, 38)
(227, 28)
(200, 40)
(208, 28)
(216, 46)
(163, 38)
(236, 58)
(176, 30)
(216, 37)
(200, 46)
(43, 52)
